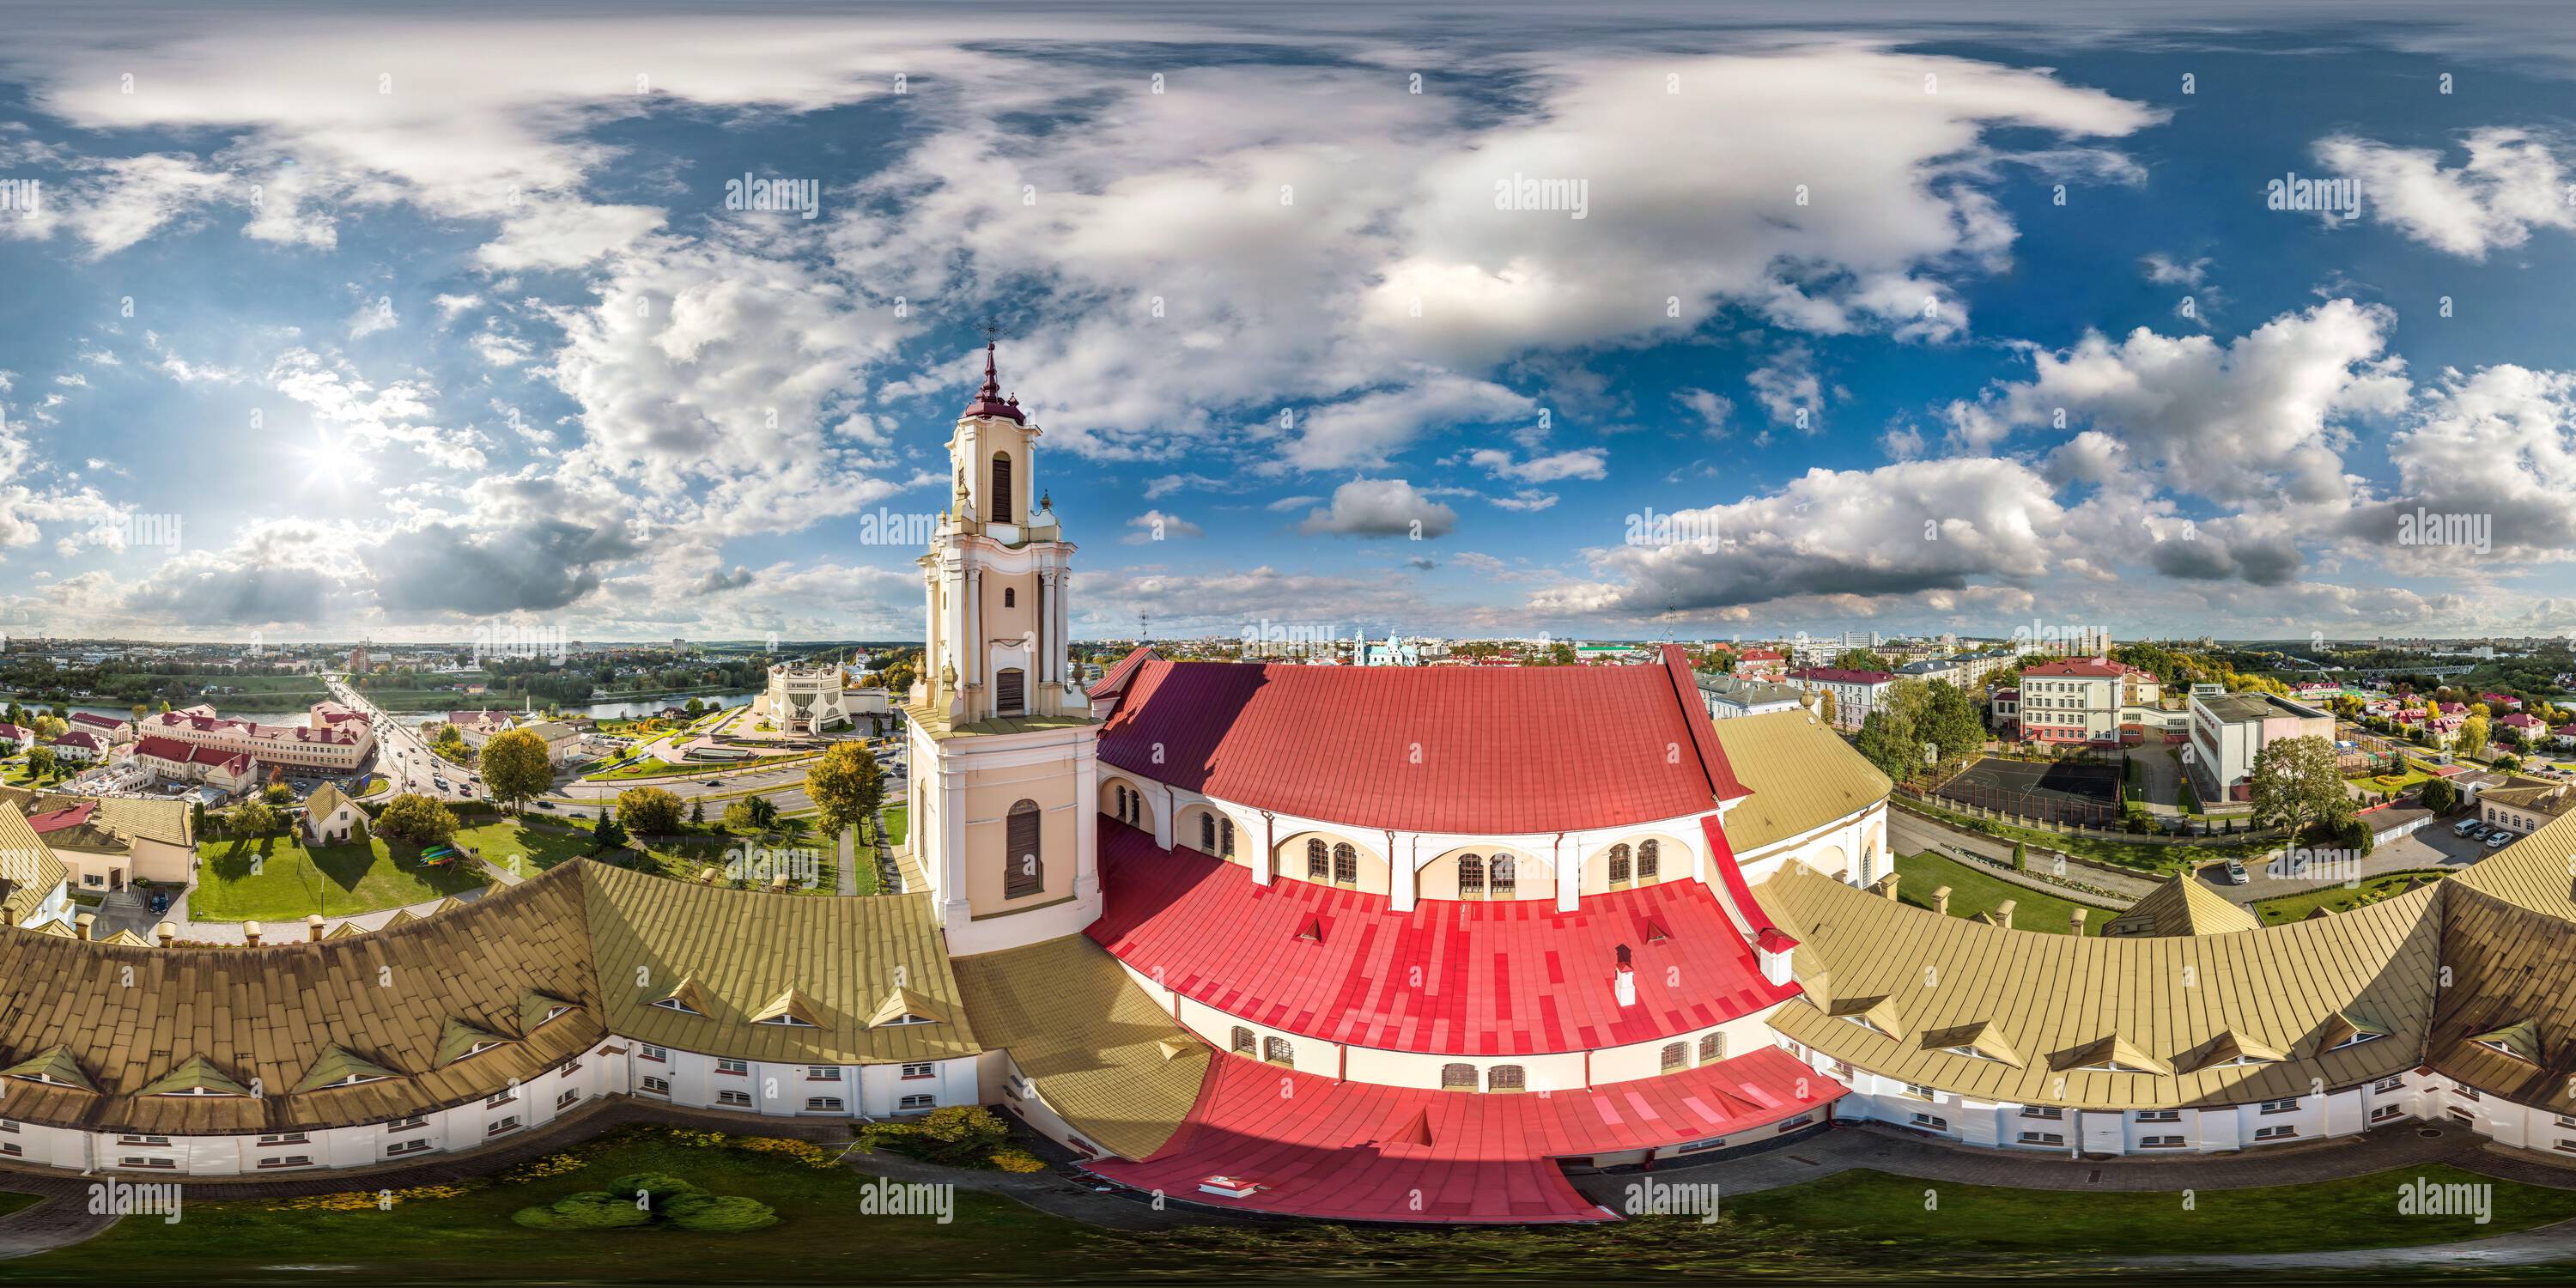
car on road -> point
(2466, 826)
(2500, 840)
(2234, 872)
(715, 782)
(545, 804)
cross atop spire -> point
(988, 399)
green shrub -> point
(958, 1136)
(662, 1186)
(718, 1213)
(588, 1210)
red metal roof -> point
(1450, 977)
(59, 819)
(1364, 1152)
(1437, 749)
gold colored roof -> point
(460, 1039)
(791, 1006)
(1103, 1056)
(2182, 906)
(1981, 1039)
(325, 799)
(337, 1067)
(30, 866)
(2072, 1005)
(197, 1075)
(904, 1006)
(740, 949)
(1803, 776)
(54, 1066)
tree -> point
(649, 811)
(416, 820)
(277, 793)
(1885, 743)
(609, 835)
(845, 786)
(140, 711)
(1825, 709)
(697, 812)
(51, 726)
(695, 708)
(515, 767)
(1951, 723)
(2473, 734)
(1856, 659)
(751, 814)
(255, 820)
(40, 762)
(2298, 785)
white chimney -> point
(1627, 985)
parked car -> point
(2235, 872)
(715, 782)
(545, 804)
(2500, 840)
(2466, 826)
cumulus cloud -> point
(1154, 525)
(1713, 410)
(1581, 463)
(1788, 388)
(1381, 508)
(2511, 184)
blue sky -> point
(427, 322)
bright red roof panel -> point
(1450, 977)
(1436, 749)
(1364, 1152)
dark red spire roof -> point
(989, 400)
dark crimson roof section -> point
(1364, 1152)
(1451, 977)
(1488, 750)
(1757, 923)
(1712, 757)
(1113, 681)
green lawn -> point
(2294, 907)
(2160, 860)
(2356, 1213)
(279, 879)
(820, 1238)
(535, 848)
(12, 1202)
(1973, 891)
(895, 818)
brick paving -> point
(60, 1221)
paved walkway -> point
(1913, 834)
(61, 1220)
(230, 932)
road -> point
(403, 757)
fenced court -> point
(2088, 795)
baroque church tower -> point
(1003, 743)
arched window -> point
(1618, 865)
(1207, 832)
(1001, 489)
(1471, 876)
(1243, 1044)
(1676, 1056)
(1225, 829)
(1647, 859)
(1506, 1077)
(1712, 1048)
(1025, 873)
(1457, 1077)
(1505, 876)
(1346, 865)
(1277, 1051)
(1318, 866)
(1118, 793)
(1010, 597)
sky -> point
(620, 321)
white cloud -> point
(1713, 410)
(1581, 463)
(2510, 185)
(1154, 525)
(1788, 388)
(1381, 508)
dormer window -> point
(675, 1004)
(2357, 1038)
(785, 1021)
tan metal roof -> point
(2068, 1008)
(30, 866)
(738, 951)
(2182, 906)
(1103, 1055)
(1803, 776)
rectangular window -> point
(142, 1140)
(402, 1147)
(1930, 1123)
(1920, 1092)
(2160, 1115)
(289, 1138)
(822, 1104)
(2386, 1112)
(736, 1067)
(2464, 1093)
(2282, 1132)
(8, 1128)
(919, 1071)
(2290, 1106)
(570, 1069)
(1795, 1123)
(500, 1098)
(406, 1124)
(503, 1127)
(2397, 1083)
(146, 1164)
(2565, 1146)
(12, 1149)
(916, 1104)
(571, 1096)
(738, 1099)
(644, 1051)
(831, 1073)
(2049, 1112)
(287, 1160)
(2160, 1142)
(2042, 1138)
(657, 1086)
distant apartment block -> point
(2228, 730)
